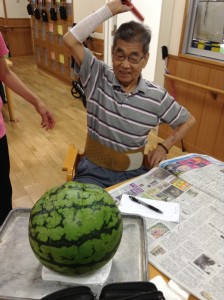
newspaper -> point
(202, 171)
(190, 252)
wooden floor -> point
(37, 155)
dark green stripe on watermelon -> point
(75, 228)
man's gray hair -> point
(134, 32)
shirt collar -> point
(141, 87)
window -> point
(204, 32)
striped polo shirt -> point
(119, 120)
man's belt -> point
(108, 158)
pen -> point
(147, 205)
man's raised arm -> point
(75, 37)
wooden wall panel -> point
(218, 150)
(207, 107)
(17, 35)
(97, 47)
(195, 99)
(212, 112)
(209, 122)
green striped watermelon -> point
(75, 228)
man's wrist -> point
(164, 147)
(111, 7)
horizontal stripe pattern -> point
(119, 120)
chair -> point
(72, 158)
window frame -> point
(187, 49)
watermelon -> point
(75, 228)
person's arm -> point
(74, 38)
(9, 78)
(160, 153)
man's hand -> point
(160, 152)
(118, 6)
(156, 156)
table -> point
(9, 98)
(153, 272)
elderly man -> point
(122, 107)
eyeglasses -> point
(132, 59)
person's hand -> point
(156, 156)
(48, 120)
(118, 6)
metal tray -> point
(20, 271)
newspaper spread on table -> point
(202, 171)
(190, 252)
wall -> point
(192, 77)
(171, 20)
(207, 107)
(2, 13)
(176, 27)
(83, 8)
(16, 8)
(164, 33)
(15, 27)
